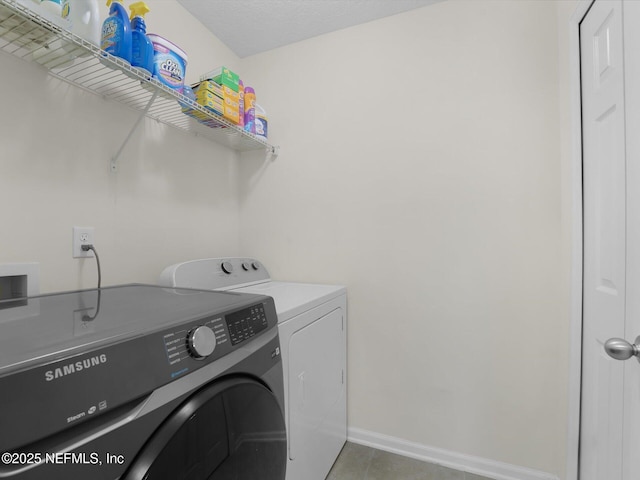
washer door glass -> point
(231, 429)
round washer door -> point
(230, 429)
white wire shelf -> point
(32, 37)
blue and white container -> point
(262, 122)
(116, 31)
(169, 62)
(141, 47)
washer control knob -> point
(256, 265)
(227, 267)
(245, 266)
(201, 341)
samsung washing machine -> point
(142, 382)
(312, 322)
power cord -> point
(86, 248)
(85, 317)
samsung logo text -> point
(75, 367)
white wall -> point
(174, 197)
(421, 166)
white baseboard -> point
(458, 461)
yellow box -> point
(212, 87)
(230, 103)
(210, 90)
(231, 114)
(228, 93)
(212, 105)
(204, 96)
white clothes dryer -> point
(312, 325)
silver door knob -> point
(620, 349)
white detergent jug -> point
(53, 6)
(84, 16)
(84, 20)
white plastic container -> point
(170, 62)
(25, 35)
(262, 122)
(52, 6)
(84, 18)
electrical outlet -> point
(82, 236)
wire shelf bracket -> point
(113, 164)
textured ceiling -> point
(252, 26)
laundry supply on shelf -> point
(249, 110)
(53, 6)
(84, 19)
(221, 100)
(116, 31)
(142, 53)
(210, 86)
(19, 33)
(224, 83)
(187, 108)
(169, 62)
(241, 104)
(210, 101)
(222, 92)
(261, 122)
(223, 76)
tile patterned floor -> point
(357, 462)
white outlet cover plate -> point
(82, 236)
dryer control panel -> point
(215, 273)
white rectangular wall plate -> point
(82, 236)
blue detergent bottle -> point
(116, 31)
(141, 46)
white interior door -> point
(608, 443)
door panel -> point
(631, 438)
(316, 393)
(604, 189)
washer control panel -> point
(201, 341)
(195, 341)
(246, 323)
(213, 337)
